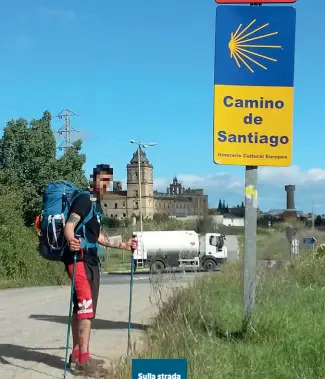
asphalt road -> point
(34, 323)
(233, 247)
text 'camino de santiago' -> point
(255, 137)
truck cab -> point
(213, 251)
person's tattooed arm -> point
(73, 219)
(69, 228)
(111, 242)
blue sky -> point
(143, 70)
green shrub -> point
(204, 225)
(160, 217)
(320, 251)
(111, 222)
(20, 263)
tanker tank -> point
(175, 244)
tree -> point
(20, 262)
(160, 217)
(69, 166)
(204, 225)
(223, 207)
(318, 221)
(28, 161)
(220, 206)
(27, 157)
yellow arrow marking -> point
(249, 190)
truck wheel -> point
(209, 265)
(158, 266)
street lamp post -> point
(139, 180)
(132, 261)
(143, 145)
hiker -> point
(87, 274)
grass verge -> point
(44, 274)
(116, 260)
(273, 245)
(203, 323)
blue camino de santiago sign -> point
(254, 85)
(159, 369)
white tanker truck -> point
(181, 248)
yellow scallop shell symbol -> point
(247, 53)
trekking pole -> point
(70, 315)
(130, 304)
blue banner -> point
(159, 369)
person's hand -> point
(74, 244)
(133, 243)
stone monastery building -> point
(176, 202)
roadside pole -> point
(313, 224)
(129, 347)
(251, 205)
(290, 233)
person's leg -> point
(95, 275)
(83, 310)
(85, 324)
(84, 337)
(75, 336)
(87, 295)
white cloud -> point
(310, 187)
(294, 174)
(212, 181)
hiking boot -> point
(73, 361)
(90, 368)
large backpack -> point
(57, 199)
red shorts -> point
(86, 289)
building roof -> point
(143, 157)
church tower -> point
(146, 171)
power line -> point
(66, 128)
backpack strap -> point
(82, 227)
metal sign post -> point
(253, 103)
(295, 246)
(290, 233)
(251, 205)
(310, 241)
